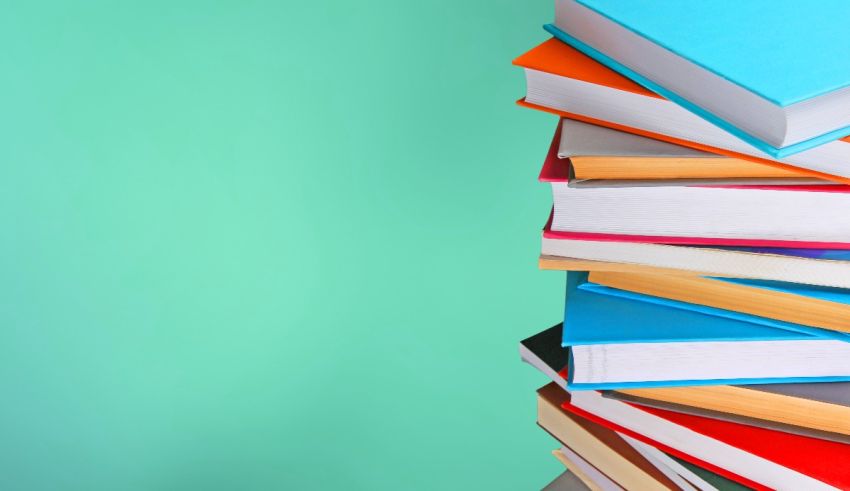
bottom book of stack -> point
(634, 438)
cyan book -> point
(772, 73)
(620, 339)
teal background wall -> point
(270, 245)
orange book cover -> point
(558, 58)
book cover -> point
(597, 314)
(791, 68)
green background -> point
(270, 245)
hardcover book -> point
(599, 153)
(803, 216)
(564, 81)
(818, 410)
(781, 88)
(620, 339)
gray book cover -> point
(567, 481)
(587, 140)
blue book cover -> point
(746, 319)
(782, 51)
(595, 314)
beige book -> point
(555, 263)
(749, 401)
(597, 152)
(599, 446)
(587, 474)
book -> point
(590, 476)
(818, 410)
(620, 339)
(589, 286)
(599, 153)
(806, 216)
(560, 419)
(545, 352)
(823, 267)
(770, 410)
(601, 447)
(684, 477)
(704, 215)
(755, 457)
(711, 478)
(779, 89)
(567, 481)
(564, 81)
(816, 306)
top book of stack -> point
(774, 73)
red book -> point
(756, 457)
(801, 216)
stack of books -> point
(699, 173)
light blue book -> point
(731, 314)
(619, 339)
(774, 73)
